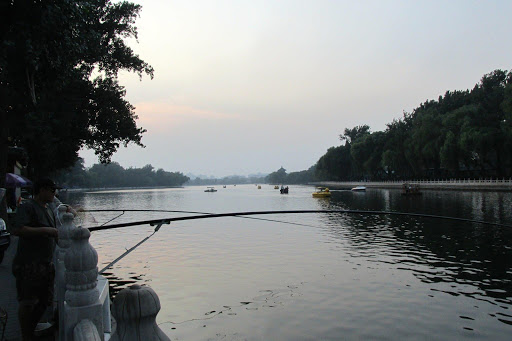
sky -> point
(246, 87)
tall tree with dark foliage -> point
(59, 90)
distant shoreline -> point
(98, 189)
(499, 185)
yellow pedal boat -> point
(322, 192)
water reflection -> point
(117, 284)
(470, 258)
(330, 276)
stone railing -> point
(492, 184)
(83, 295)
(450, 181)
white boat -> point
(210, 189)
(359, 189)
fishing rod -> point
(160, 222)
(172, 211)
(240, 214)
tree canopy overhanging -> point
(59, 65)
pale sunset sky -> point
(243, 87)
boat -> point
(322, 192)
(411, 189)
(224, 186)
(259, 187)
(284, 190)
(276, 187)
(210, 189)
(359, 189)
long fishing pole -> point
(109, 265)
(160, 222)
(172, 211)
(236, 214)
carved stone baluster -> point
(135, 310)
(65, 226)
(82, 296)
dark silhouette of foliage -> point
(113, 175)
(59, 62)
(281, 177)
(462, 134)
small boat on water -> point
(284, 190)
(411, 189)
(259, 187)
(359, 189)
(210, 189)
(322, 192)
(224, 186)
(276, 187)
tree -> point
(51, 103)
(394, 160)
(277, 177)
(75, 176)
(355, 133)
(462, 132)
(367, 153)
(336, 164)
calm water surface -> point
(315, 276)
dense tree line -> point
(113, 175)
(281, 177)
(227, 180)
(462, 134)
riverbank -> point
(99, 189)
(458, 185)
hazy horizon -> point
(246, 87)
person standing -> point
(33, 263)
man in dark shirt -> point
(32, 265)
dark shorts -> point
(35, 281)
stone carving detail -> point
(81, 263)
(65, 226)
(135, 310)
(85, 330)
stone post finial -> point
(65, 226)
(81, 262)
(135, 310)
(82, 297)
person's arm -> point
(34, 232)
(69, 209)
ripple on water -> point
(325, 275)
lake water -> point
(314, 276)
